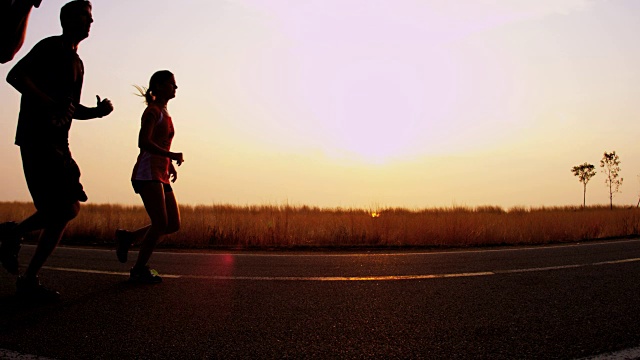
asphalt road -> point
(558, 302)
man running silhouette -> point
(49, 78)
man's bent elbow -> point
(13, 80)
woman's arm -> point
(145, 141)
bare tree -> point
(584, 173)
(610, 165)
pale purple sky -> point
(412, 103)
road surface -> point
(553, 302)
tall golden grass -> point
(303, 226)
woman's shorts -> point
(138, 184)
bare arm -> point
(103, 108)
(20, 80)
(146, 143)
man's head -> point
(76, 19)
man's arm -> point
(103, 108)
(19, 78)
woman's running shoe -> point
(144, 276)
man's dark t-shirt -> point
(58, 71)
(53, 177)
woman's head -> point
(162, 85)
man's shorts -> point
(138, 184)
(53, 177)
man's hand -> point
(104, 107)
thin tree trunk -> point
(610, 193)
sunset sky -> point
(358, 103)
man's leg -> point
(34, 222)
(11, 234)
(28, 285)
(50, 237)
(9, 247)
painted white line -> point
(99, 272)
(334, 278)
(13, 355)
(356, 278)
(626, 354)
(613, 262)
(243, 253)
(562, 267)
(548, 268)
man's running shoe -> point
(9, 247)
(30, 289)
(124, 240)
(144, 276)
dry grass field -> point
(292, 227)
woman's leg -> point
(173, 219)
(173, 212)
(153, 197)
(125, 239)
(136, 235)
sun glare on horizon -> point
(377, 89)
(378, 110)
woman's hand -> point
(178, 158)
(173, 174)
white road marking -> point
(243, 253)
(334, 278)
(355, 278)
(13, 355)
(100, 272)
(626, 354)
